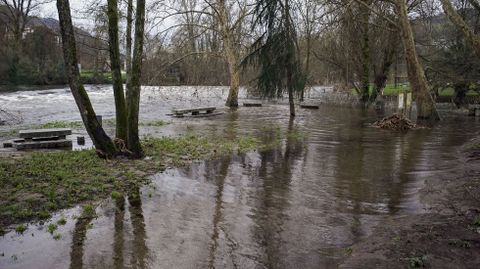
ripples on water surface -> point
(295, 206)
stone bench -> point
(61, 133)
(48, 144)
(309, 106)
(252, 104)
(193, 111)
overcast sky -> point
(79, 19)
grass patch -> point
(52, 227)
(88, 211)
(20, 228)
(476, 221)
(116, 195)
(417, 262)
(157, 123)
(40, 183)
(62, 124)
(62, 221)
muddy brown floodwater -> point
(295, 206)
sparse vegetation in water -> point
(20, 228)
(460, 243)
(157, 123)
(52, 227)
(40, 183)
(62, 221)
(88, 211)
(57, 237)
(116, 195)
(476, 221)
(417, 261)
(43, 214)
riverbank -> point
(446, 235)
(35, 185)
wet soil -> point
(447, 235)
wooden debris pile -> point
(396, 122)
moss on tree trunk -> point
(421, 90)
(115, 65)
(101, 140)
(134, 87)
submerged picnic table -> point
(43, 138)
(193, 111)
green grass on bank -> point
(37, 184)
(76, 125)
(91, 77)
(391, 90)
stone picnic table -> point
(42, 139)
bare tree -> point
(458, 21)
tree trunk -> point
(290, 60)
(133, 91)
(290, 89)
(457, 20)
(101, 140)
(231, 54)
(365, 52)
(421, 90)
(128, 38)
(115, 65)
(232, 60)
(461, 89)
(381, 74)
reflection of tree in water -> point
(273, 196)
(139, 247)
(276, 172)
(221, 174)
(118, 239)
(78, 240)
(369, 175)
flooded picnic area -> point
(300, 204)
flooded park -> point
(239, 134)
(300, 204)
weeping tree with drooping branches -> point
(276, 51)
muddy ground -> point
(446, 236)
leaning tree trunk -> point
(115, 65)
(421, 90)
(457, 20)
(101, 140)
(133, 90)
